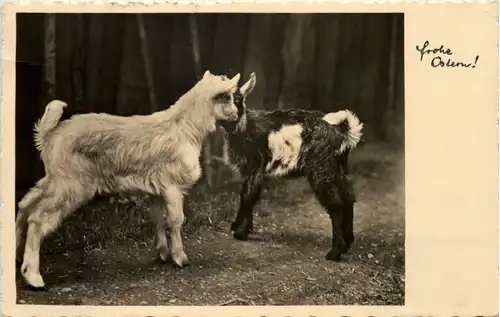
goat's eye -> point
(222, 97)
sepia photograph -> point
(210, 159)
(249, 159)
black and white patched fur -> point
(294, 143)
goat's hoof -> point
(240, 235)
(34, 279)
(333, 255)
(163, 253)
(180, 258)
(36, 289)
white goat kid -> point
(155, 154)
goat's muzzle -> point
(233, 117)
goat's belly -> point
(153, 181)
(131, 184)
(276, 169)
(293, 175)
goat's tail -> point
(49, 120)
(348, 125)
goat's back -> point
(111, 146)
(283, 142)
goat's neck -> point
(242, 123)
(192, 116)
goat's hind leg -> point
(25, 208)
(40, 223)
(348, 222)
(329, 196)
(61, 199)
(338, 243)
(158, 213)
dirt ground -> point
(282, 263)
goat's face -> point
(221, 100)
(239, 97)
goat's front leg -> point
(250, 194)
(175, 218)
(239, 219)
(158, 213)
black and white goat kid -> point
(294, 143)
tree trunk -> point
(304, 88)
(195, 43)
(255, 55)
(400, 67)
(148, 72)
(291, 52)
(50, 65)
(93, 60)
(159, 50)
(392, 71)
(368, 80)
(131, 93)
(110, 63)
(182, 73)
(273, 65)
(78, 62)
(230, 41)
(349, 62)
(381, 96)
(64, 68)
(327, 30)
(50, 56)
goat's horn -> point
(236, 79)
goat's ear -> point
(248, 87)
(232, 84)
(207, 73)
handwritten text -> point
(442, 60)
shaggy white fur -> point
(285, 148)
(155, 154)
